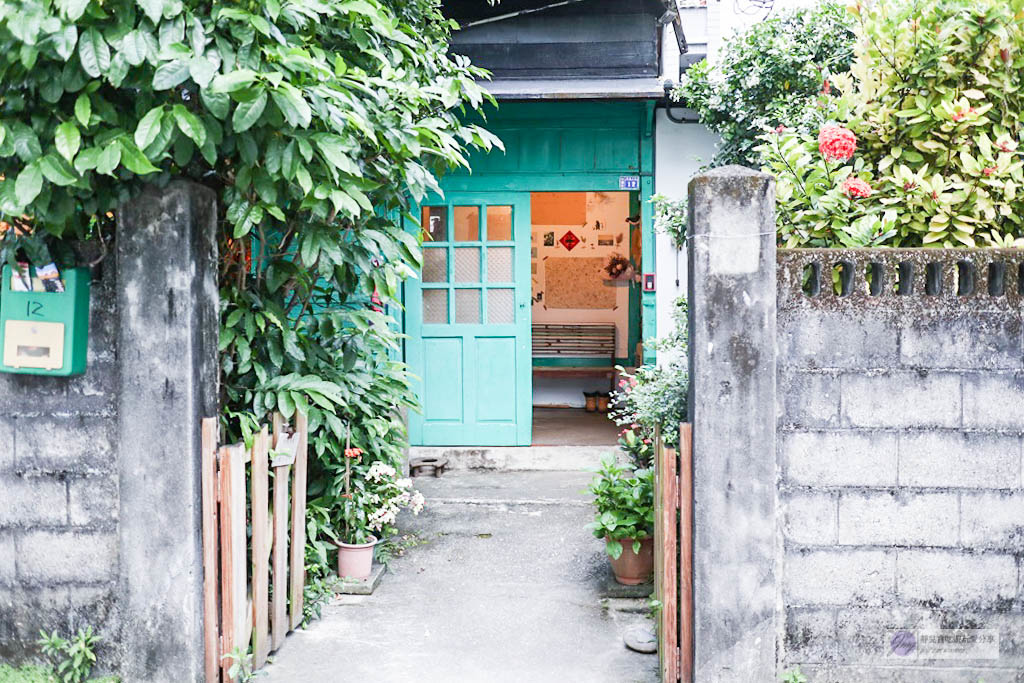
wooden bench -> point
(573, 342)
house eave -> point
(577, 89)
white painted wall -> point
(679, 152)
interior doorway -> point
(585, 249)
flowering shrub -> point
(638, 446)
(369, 500)
(836, 143)
(776, 71)
(922, 148)
(655, 396)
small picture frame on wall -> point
(605, 240)
(549, 239)
(533, 252)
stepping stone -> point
(641, 638)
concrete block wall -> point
(100, 473)
(899, 459)
(59, 506)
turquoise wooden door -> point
(468, 321)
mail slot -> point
(44, 333)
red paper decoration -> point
(569, 241)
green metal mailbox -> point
(45, 333)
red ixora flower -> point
(353, 452)
(836, 143)
(990, 170)
(855, 187)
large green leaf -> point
(93, 53)
(73, 9)
(67, 140)
(134, 47)
(154, 9)
(149, 127)
(134, 160)
(57, 170)
(83, 109)
(296, 110)
(248, 113)
(189, 124)
(29, 184)
(170, 75)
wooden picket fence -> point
(673, 555)
(242, 608)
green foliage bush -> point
(317, 122)
(771, 73)
(934, 100)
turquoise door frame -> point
(468, 321)
(549, 147)
(575, 146)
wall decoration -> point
(605, 240)
(577, 283)
(569, 240)
(618, 238)
(533, 252)
(549, 239)
(533, 267)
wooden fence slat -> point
(260, 548)
(686, 553)
(279, 609)
(670, 565)
(279, 565)
(211, 615)
(233, 553)
(298, 550)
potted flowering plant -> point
(373, 495)
(624, 502)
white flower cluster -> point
(380, 471)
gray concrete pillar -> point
(732, 407)
(167, 344)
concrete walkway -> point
(507, 586)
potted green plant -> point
(372, 498)
(624, 502)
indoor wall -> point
(569, 284)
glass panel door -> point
(469, 322)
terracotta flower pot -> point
(355, 560)
(631, 568)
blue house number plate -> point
(629, 182)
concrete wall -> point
(888, 490)
(99, 474)
(899, 457)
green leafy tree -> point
(774, 72)
(317, 123)
(933, 101)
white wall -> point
(611, 209)
(679, 152)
